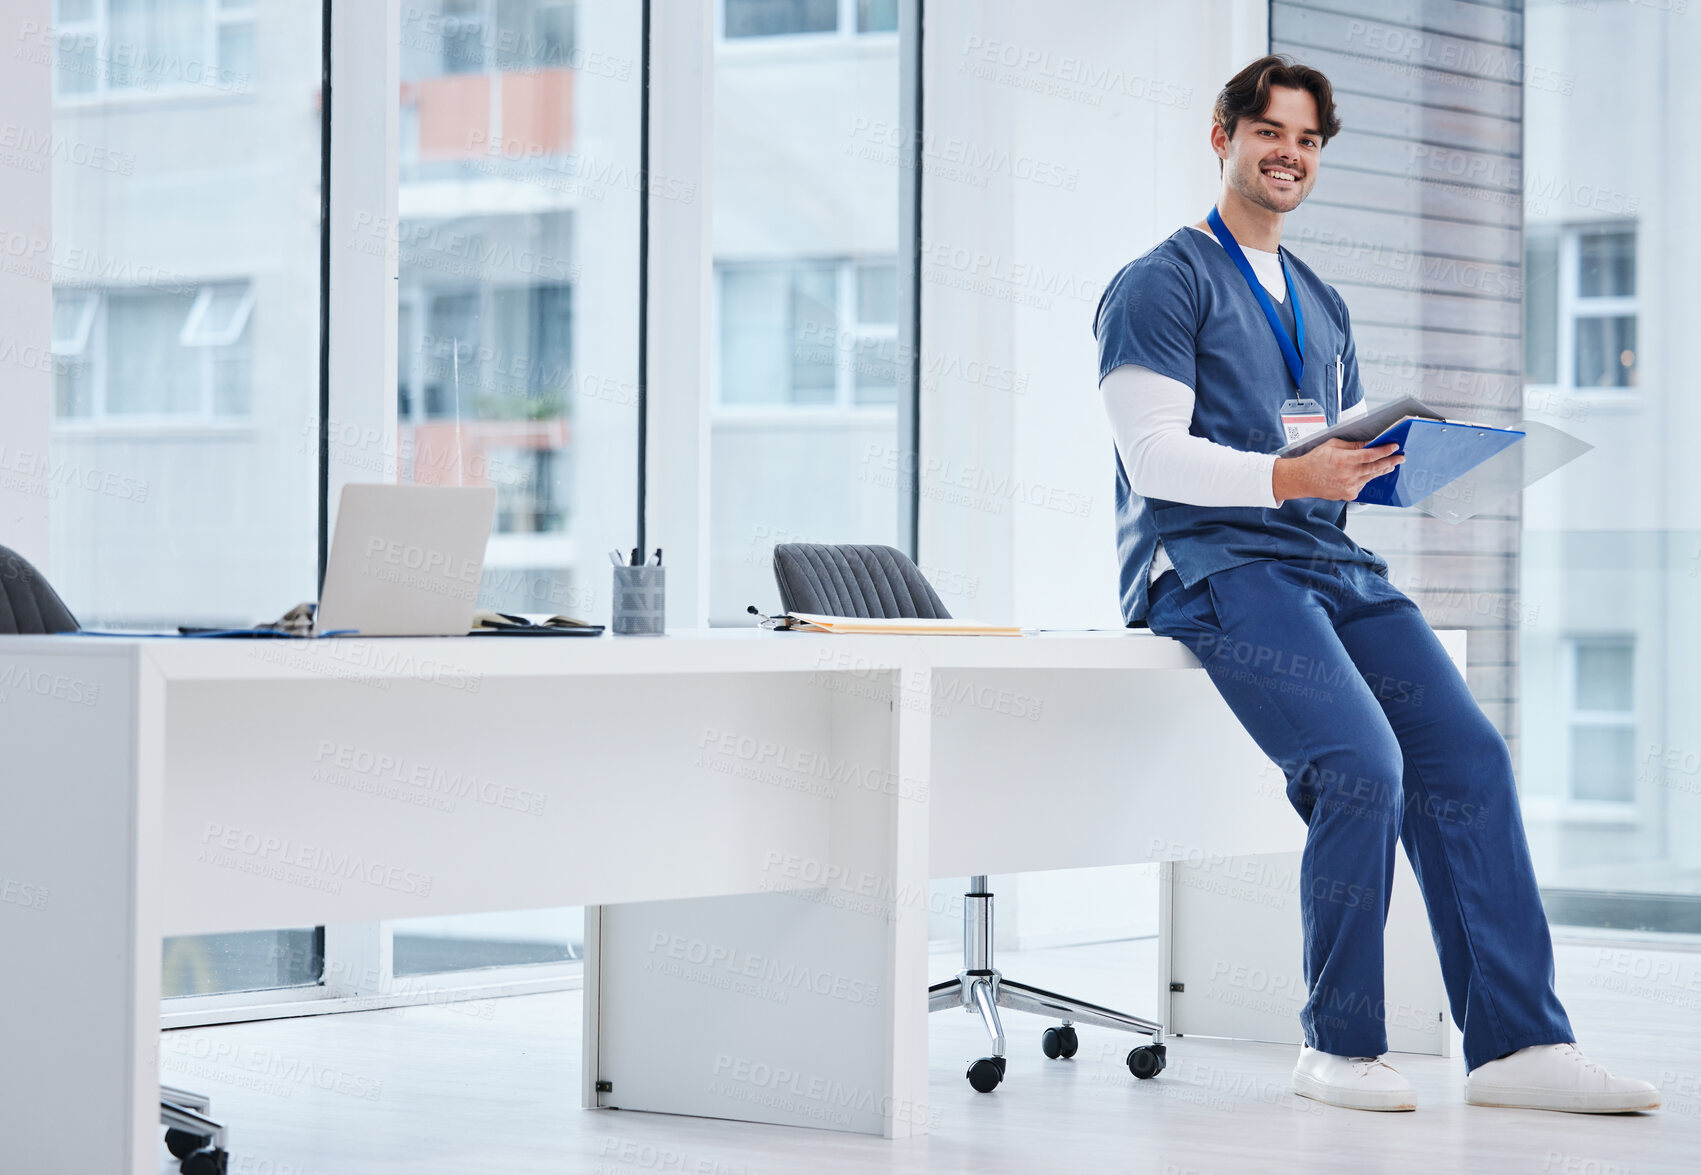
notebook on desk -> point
(512, 624)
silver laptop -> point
(406, 560)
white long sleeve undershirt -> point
(1149, 418)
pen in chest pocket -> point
(1339, 374)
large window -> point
(517, 304)
(186, 305)
(1608, 692)
(185, 342)
(805, 334)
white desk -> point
(159, 787)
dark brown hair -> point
(1247, 94)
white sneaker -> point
(1556, 1077)
(1355, 1083)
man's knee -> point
(1481, 759)
(1473, 785)
(1362, 782)
(1485, 746)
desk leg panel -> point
(1232, 937)
(803, 1006)
(79, 869)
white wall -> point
(805, 167)
(1096, 147)
(1063, 140)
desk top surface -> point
(681, 651)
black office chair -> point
(882, 582)
(29, 606)
(28, 603)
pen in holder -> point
(640, 599)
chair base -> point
(190, 1135)
(980, 988)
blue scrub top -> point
(1184, 310)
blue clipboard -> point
(1438, 453)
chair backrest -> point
(28, 603)
(849, 579)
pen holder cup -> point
(640, 600)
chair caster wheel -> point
(213, 1162)
(1147, 1061)
(182, 1144)
(1060, 1042)
(986, 1073)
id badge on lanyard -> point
(1301, 418)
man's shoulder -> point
(1172, 263)
(1177, 252)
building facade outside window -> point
(108, 48)
(815, 332)
(789, 18)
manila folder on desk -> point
(906, 626)
(1438, 452)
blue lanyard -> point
(1295, 360)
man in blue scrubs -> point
(1216, 348)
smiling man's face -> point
(1272, 159)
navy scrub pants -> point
(1339, 679)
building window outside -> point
(135, 353)
(462, 33)
(1600, 720)
(107, 47)
(1581, 308)
(744, 19)
(819, 333)
(471, 36)
(876, 16)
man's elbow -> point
(1139, 473)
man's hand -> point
(1336, 471)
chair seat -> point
(852, 579)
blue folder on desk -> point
(1438, 453)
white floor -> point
(494, 1087)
